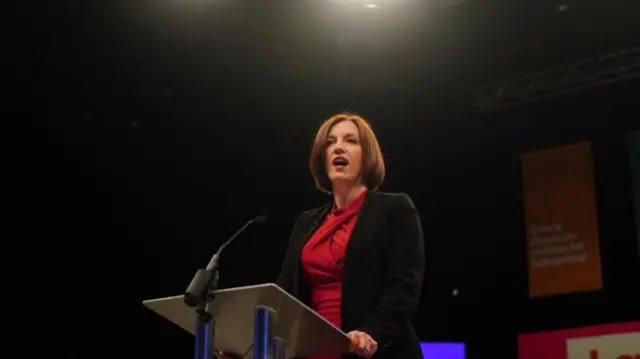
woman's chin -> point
(341, 178)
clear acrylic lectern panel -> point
(304, 332)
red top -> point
(323, 261)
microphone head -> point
(259, 219)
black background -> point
(158, 128)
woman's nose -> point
(338, 148)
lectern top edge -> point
(217, 291)
(263, 285)
(161, 299)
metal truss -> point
(599, 71)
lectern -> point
(260, 321)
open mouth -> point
(340, 162)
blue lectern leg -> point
(262, 333)
(278, 348)
(204, 333)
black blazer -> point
(383, 271)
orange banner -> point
(561, 221)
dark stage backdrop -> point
(634, 151)
(133, 177)
(130, 213)
(470, 198)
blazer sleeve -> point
(406, 270)
(286, 277)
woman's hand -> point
(362, 344)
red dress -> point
(323, 261)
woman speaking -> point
(357, 261)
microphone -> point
(206, 279)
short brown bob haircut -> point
(373, 169)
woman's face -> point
(343, 153)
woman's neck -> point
(344, 196)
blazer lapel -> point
(360, 236)
(364, 224)
(317, 220)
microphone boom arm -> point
(205, 280)
(200, 293)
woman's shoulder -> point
(396, 200)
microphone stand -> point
(201, 293)
(205, 321)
